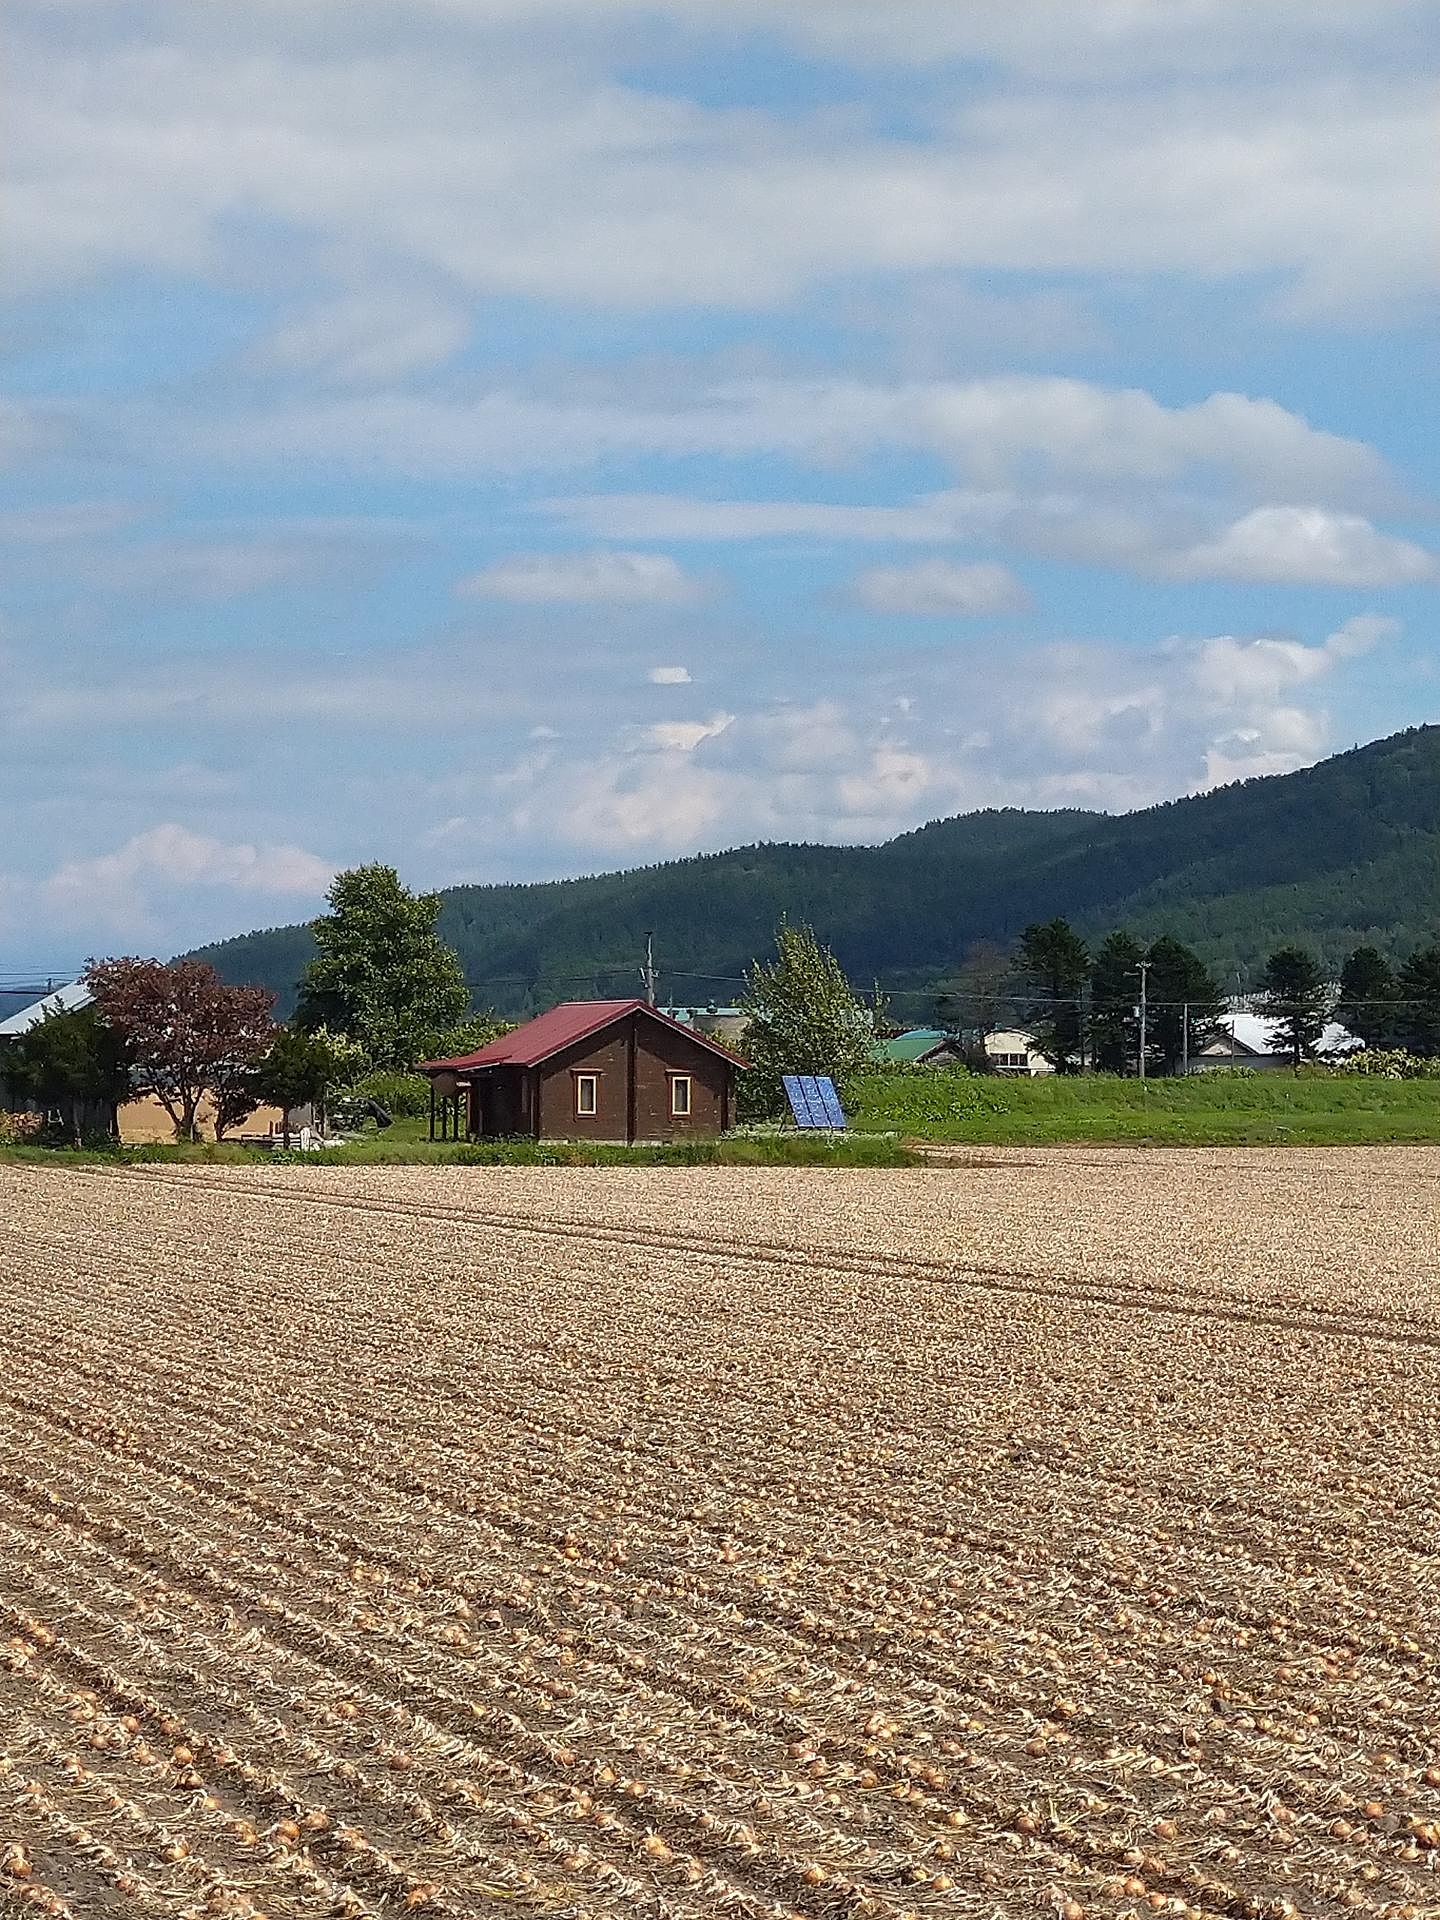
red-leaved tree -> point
(187, 1032)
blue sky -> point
(512, 438)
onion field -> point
(1048, 1533)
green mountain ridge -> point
(1344, 851)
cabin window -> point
(587, 1094)
(680, 1094)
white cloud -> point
(118, 891)
(683, 736)
(662, 516)
(1157, 531)
(366, 338)
(65, 522)
(942, 587)
(1230, 672)
(1307, 546)
(608, 578)
(994, 432)
(669, 676)
(218, 569)
(522, 167)
(1286, 738)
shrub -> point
(406, 1096)
(1381, 1063)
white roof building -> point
(1249, 1040)
(63, 1000)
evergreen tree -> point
(382, 976)
(1296, 999)
(1418, 988)
(1182, 990)
(77, 1065)
(1056, 964)
(1368, 994)
(1114, 989)
(803, 1018)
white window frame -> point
(592, 1081)
(678, 1080)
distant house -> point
(721, 1023)
(922, 1047)
(1247, 1040)
(612, 1070)
(1012, 1051)
(1007, 1052)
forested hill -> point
(1345, 851)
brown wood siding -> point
(604, 1055)
(659, 1051)
(662, 1052)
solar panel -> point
(813, 1100)
(830, 1101)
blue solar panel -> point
(830, 1101)
(813, 1100)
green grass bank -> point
(1205, 1110)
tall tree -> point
(803, 1018)
(1418, 993)
(1186, 1005)
(186, 1031)
(1368, 992)
(1055, 963)
(1114, 989)
(1296, 998)
(975, 998)
(382, 976)
(77, 1065)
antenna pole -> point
(647, 972)
(1144, 972)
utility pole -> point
(647, 972)
(1185, 1038)
(1144, 971)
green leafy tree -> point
(803, 1018)
(469, 1036)
(1186, 1006)
(1114, 990)
(1368, 993)
(76, 1065)
(1418, 988)
(382, 975)
(1296, 998)
(302, 1069)
(1055, 963)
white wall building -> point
(1012, 1051)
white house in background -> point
(62, 1000)
(1247, 1040)
(1011, 1051)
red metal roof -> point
(561, 1027)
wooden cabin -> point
(613, 1070)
